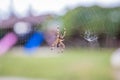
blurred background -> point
(28, 28)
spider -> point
(59, 40)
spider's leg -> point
(62, 47)
(53, 46)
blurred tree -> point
(95, 19)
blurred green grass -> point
(74, 64)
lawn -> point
(74, 64)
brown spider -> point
(59, 40)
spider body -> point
(59, 40)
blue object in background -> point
(35, 41)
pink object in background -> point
(7, 42)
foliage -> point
(96, 19)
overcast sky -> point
(56, 6)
